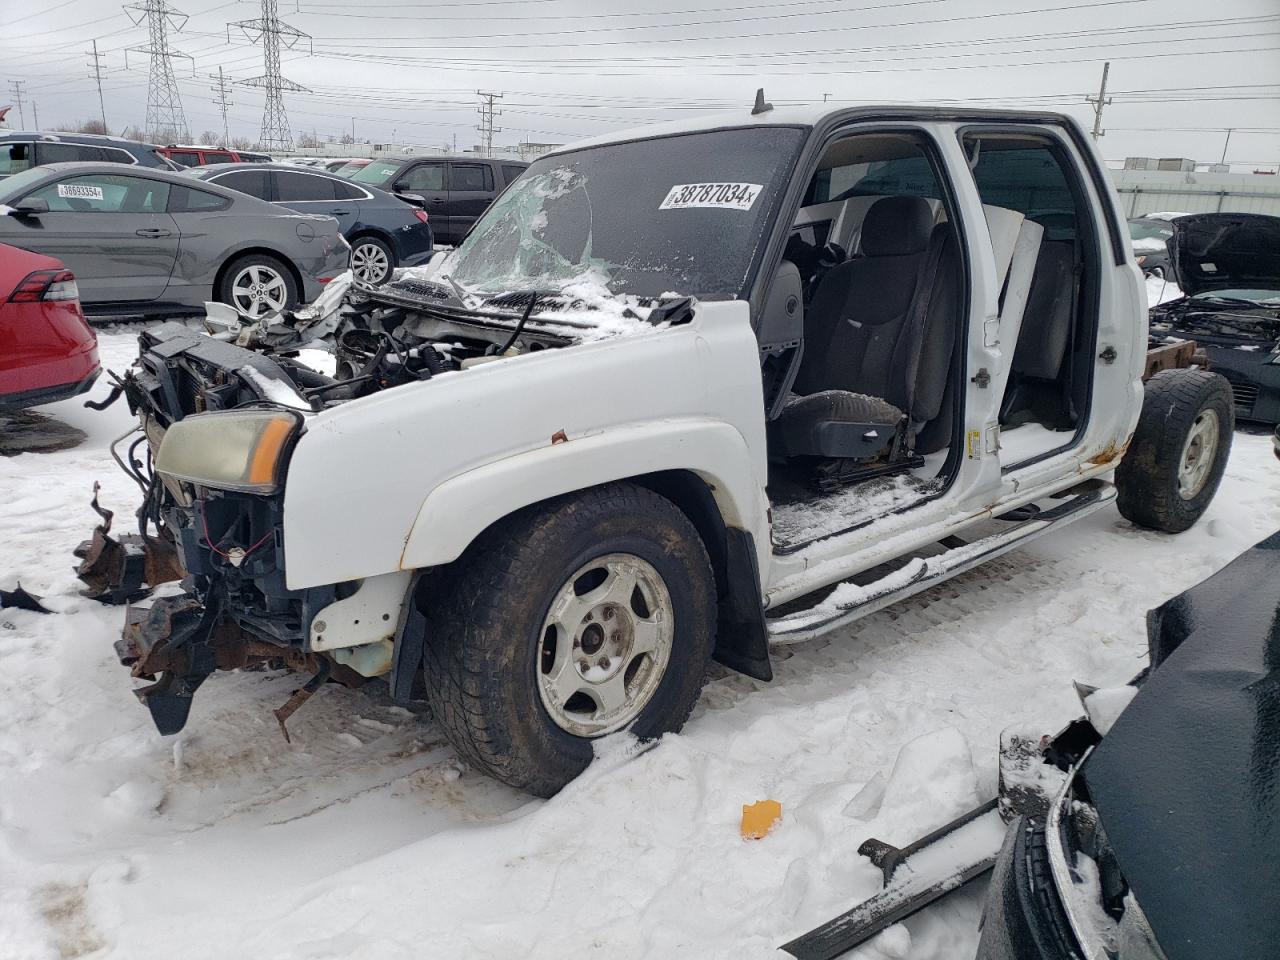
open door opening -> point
(1046, 398)
(869, 424)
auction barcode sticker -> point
(79, 191)
(718, 196)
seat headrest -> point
(896, 226)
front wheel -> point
(589, 614)
(1179, 450)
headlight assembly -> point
(243, 450)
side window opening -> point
(1047, 394)
(875, 403)
(470, 176)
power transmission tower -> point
(1100, 101)
(96, 67)
(271, 32)
(15, 91)
(222, 97)
(487, 115)
(166, 123)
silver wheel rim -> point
(1198, 453)
(369, 263)
(605, 645)
(258, 290)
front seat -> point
(870, 322)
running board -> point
(925, 572)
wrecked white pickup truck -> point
(680, 393)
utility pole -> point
(35, 114)
(166, 123)
(1100, 101)
(15, 91)
(222, 97)
(271, 32)
(1224, 145)
(96, 67)
(487, 115)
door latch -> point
(982, 378)
(1108, 355)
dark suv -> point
(21, 150)
(454, 190)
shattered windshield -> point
(682, 215)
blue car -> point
(384, 231)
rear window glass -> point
(252, 182)
(185, 159)
(346, 191)
(471, 176)
(187, 200)
(69, 153)
(510, 172)
(297, 187)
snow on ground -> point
(368, 838)
(1160, 290)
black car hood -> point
(1187, 781)
(1226, 251)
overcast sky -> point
(1181, 70)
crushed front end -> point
(216, 425)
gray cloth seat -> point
(882, 327)
(1034, 391)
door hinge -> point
(982, 378)
(1108, 355)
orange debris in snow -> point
(759, 818)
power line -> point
(271, 32)
(166, 122)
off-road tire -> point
(486, 614)
(1147, 478)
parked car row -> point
(149, 240)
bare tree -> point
(209, 138)
(134, 133)
(307, 140)
(240, 143)
(93, 126)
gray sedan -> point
(149, 241)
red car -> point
(193, 156)
(47, 350)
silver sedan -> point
(149, 241)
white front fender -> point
(456, 511)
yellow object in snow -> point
(759, 818)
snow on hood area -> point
(368, 838)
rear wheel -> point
(589, 614)
(372, 260)
(1179, 450)
(258, 285)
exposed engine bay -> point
(226, 544)
(1247, 322)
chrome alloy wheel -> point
(258, 290)
(605, 645)
(369, 263)
(1198, 454)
